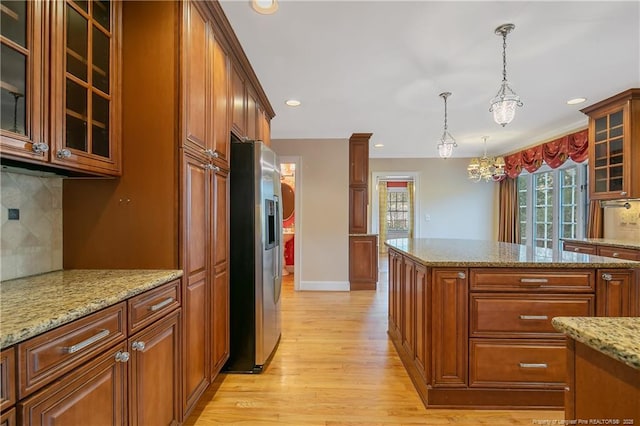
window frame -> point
(582, 199)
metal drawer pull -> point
(616, 254)
(462, 275)
(534, 280)
(607, 277)
(529, 365)
(576, 249)
(161, 305)
(75, 348)
(534, 317)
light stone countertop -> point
(617, 337)
(32, 305)
(606, 242)
(478, 253)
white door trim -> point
(375, 203)
(297, 245)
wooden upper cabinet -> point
(238, 103)
(61, 90)
(614, 146)
(196, 110)
(359, 161)
(266, 129)
(220, 82)
(22, 83)
(86, 90)
(252, 115)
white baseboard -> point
(324, 285)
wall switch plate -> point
(14, 214)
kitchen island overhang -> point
(471, 320)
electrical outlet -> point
(14, 214)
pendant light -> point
(486, 168)
(503, 105)
(447, 142)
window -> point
(397, 212)
(553, 205)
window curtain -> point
(411, 197)
(554, 153)
(383, 201)
(595, 221)
(508, 220)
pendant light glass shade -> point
(503, 105)
(447, 142)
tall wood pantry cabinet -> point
(170, 207)
(60, 85)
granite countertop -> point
(478, 253)
(606, 242)
(618, 337)
(32, 305)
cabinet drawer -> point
(527, 280)
(520, 364)
(54, 353)
(619, 253)
(147, 307)
(7, 378)
(580, 248)
(524, 315)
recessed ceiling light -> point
(265, 7)
(378, 145)
(576, 101)
(292, 102)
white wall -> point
(322, 225)
(458, 208)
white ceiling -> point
(379, 66)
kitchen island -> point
(603, 368)
(471, 320)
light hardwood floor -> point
(335, 365)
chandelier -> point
(503, 105)
(491, 169)
(447, 142)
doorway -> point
(394, 212)
(291, 183)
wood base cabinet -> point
(482, 337)
(600, 387)
(155, 373)
(363, 262)
(93, 394)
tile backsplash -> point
(623, 224)
(32, 244)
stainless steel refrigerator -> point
(255, 257)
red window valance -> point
(554, 153)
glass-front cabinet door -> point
(22, 79)
(85, 60)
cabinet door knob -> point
(40, 147)
(138, 346)
(122, 356)
(623, 193)
(607, 277)
(63, 153)
(462, 275)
